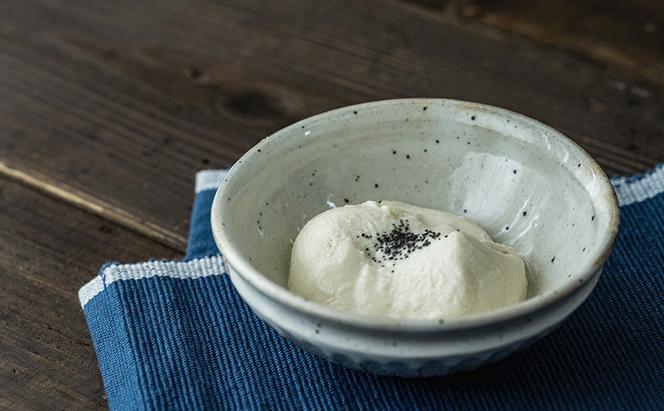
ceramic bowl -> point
(525, 183)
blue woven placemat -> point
(175, 334)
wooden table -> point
(108, 108)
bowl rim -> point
(377, 323)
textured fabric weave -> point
(176, 335)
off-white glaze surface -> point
(512, 178)
(524, 183)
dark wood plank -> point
(49, 250)
(115, 105)
(622, 34)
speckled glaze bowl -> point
(528, 185)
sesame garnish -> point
(399, 243)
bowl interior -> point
(525, 183)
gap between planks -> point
(75, 198)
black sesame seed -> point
(407, 155)
(465, 210)
(346, 200)
(354, 112)
(514, 171)
(400, 242)
(437, 141)
(425, 150)
(376, 185)
(584, 250)
(553, 259)
(507, 228)
(472, 118)
(424, 108)
(578, 165)
(394, 151)
(524, 213)
(259, 150)
(592, 218)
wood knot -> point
(253, 103)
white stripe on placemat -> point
(209, 179)
(203, 267)
(628, 191)
(643, 188)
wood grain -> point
(49, 250)
(109, 108)
(626, 35)
(120, 103)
